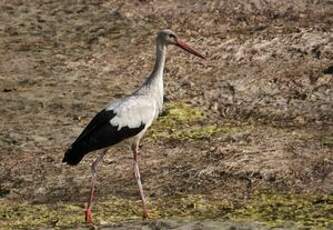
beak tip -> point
(203, 57)
(186, 47)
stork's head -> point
(168, 37)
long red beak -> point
(186, 47)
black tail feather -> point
(73, 155)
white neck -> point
(153, 86)
(157, 74)
(154, 83)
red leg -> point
(135, 149)
(88, 213)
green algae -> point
(29, 216)
(177, 113)
(184, 122)
(15, 215)
(304, 210)
(271, 209)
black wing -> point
(100, 119)
(98, 134)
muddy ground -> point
(246, 138)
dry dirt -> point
(265, 96)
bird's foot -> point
(88, 216)
(145, 214)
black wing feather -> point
(100, 119)
(98, 134)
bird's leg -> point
(135, 149)
(88, 213)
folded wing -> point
(119, 121)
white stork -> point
(126, 119)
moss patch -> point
(179, 112)
(273, 210)
(16, 215)
(30, 216)
(184, 122)
(306, 211)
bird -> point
(126, 120)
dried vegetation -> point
(246, 136)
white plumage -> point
(133, 112)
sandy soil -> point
(265, 99)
